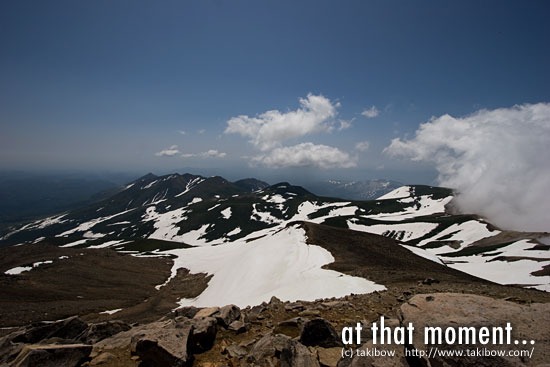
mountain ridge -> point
(159, 215)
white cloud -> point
(182, 132)
(362, 146)
(498, 160)
(345, 124)
(271, 128)
(212, 153)
(306, 155)
(370, 112)
(170, 152)
(201, 131)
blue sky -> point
(109, 85)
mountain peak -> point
(147, 177)
(251, 184)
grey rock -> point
(237, 326)
(236, 351)
(168, 345)
(319, 332)
(206, 312)
(68, 329)
(103, 358)
(49, 355)
(103, 330)
(227, 314)
(291, 327)
(329, 357)
(187, 312)
(529, 322)
(203, 334)
(287, 351)
(255, 312)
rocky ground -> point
(280, 333)
(148, 332)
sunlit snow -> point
(281, 265)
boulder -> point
(103, 330)
(236, 351)
(203, 334)
(50, 355)
(237, 326)
(103, 358)
(67, 329)
(168, 345)
(256, 311)
(291, 327)
(206, 312)
(124, 338)
(529, 322)
(279, 347)
(329, 357)
(187, 312)
(319, 332)
(227, 314)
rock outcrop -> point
(67, 355)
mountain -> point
(251, 184)
(163, 216)
(353, 190)
(149, 261)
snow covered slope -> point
(280, 265)
(176, 212)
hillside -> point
(188, 210)
(164, 249)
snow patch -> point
(86, 226)
(282, 265)
(20, 269)
(426, 206)
(226, 213)
(110, 312)
(234, 232)
(106, 244)
(466, 232)
(148, 186)
(423, 253)
(400, 192)
(265, 217)
(402, 231)
(195, 200)
(17, 270)
(75, 243)
(190, 185)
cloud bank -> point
(370, 112)
(212, 153)
(498, 160)
(306, 155)
(170, 152)
(269, 130)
